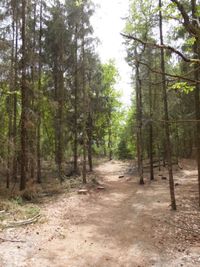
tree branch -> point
(168, 47)
(187, 24)
(168, 74)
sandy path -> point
(111, 228)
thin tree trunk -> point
(196, 50)
(110, 138)
(39, 107)
(14, 172)
(159, 159)
(167, 130)
(60, 124)
(84, 108)
(139, 123)
(33, 129)
(151, 133)
(23, 102)
(9, 106)
(177, 142)
(76, 106)
(90, 142)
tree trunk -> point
(90, 142)
(14, 171)
(139, 123)
(60, 125)
(166, 116)
(23, 102)
(76, 106)
(9, 106)
(151, 133)
(196, 50)
(110, 138)
(33, 129)
(39, 106)
(84, 107)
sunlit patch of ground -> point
(125, 225)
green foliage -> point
(109, 115)
(18, 200)
(78, 3)
(190, 41)
(126, 145)
(197, 10)
(183, 87)
(123, 151)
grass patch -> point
(16, 209)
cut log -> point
(121, 176)
(100, 187)
(82, 191)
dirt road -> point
(116, 227)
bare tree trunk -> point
(59, 95)
(196, 50)
(14, 172)
(90, 142)
(110, 138)
(139, 123)
(39, 107)
(33, 128)
(23, 102)
(9, 106)
(151, 133)
(84, 108)
(60, 126)
(76, 106)
(177, 142)
(166, 116)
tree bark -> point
(139, 122)
(14, 171)
(60, 125)
(196, 50)
(151, 150)
(110, 137)
(23, 102)
(166, 116)
(39, 106)
(84, 106)
(90, 142)
(151, 134)
(76, 105)
(33, 129)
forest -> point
(86, 180)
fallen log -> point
(22, 223)
(11, 240)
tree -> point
(166, 116)
(24, 101)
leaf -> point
(78, 3)
(183, 87)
